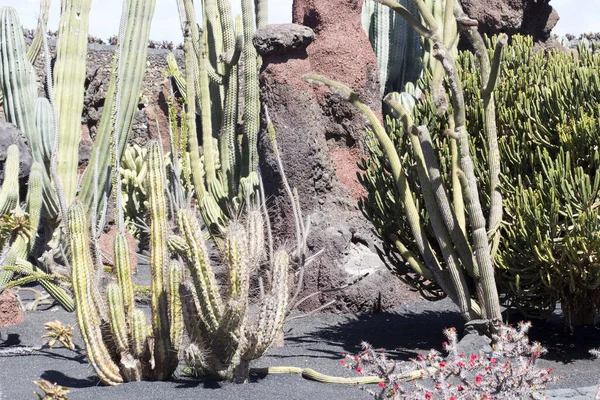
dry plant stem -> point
(489, 77)
(313, 375)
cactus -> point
(125, 352)
(211, 85)
(448, 258)
(25, 234)
(128, 71)
(19, 88)
(224, 338)
(397, 46)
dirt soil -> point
(316, 342)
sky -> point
(576, 16)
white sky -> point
(576, 16)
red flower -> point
(473, 357)
(452, 398)
(493, 360)
(461, 364)
(382, 384)
(358, 369)
(396, 387)
(549, 370)
(342, 362)
(428, 395)
(478, 379)
(442, 364)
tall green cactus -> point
(446, 257)
(69, 78)
(126, 352)
(211, 86)
(19, 88)
(131, 55)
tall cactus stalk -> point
(460, 260)
(125, 352)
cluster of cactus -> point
(410, 194)
(53, 125)
(217, 315)
(549, 137)
(130, 350)
(211, 87)
(134, 169)
(18, 231)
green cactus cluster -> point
(229, 168)
(131, 349)
(18, 232)
(216, 313)
(224, 336)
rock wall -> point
(320, 138)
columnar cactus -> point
(454, 261)
(132, 349)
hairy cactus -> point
(132, 349)
(439, 250)
(228, 326)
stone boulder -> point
(527, 17)
(9, 135)
(10, 313)
(320, 140)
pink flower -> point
(442, 364)
(396, 387)
(358, 369)
(473, 357)
(493, 360)
(428, 395)
(478, 379)
(382, 384)
(342, 362)
(461, 364)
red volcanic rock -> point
(10, 313)
(320, 137)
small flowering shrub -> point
(509, 372)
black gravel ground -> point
(316, 342)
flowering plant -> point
(508, 372)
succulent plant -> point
(438, 248)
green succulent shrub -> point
(547, 110)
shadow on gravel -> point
(65, 380)
(562, 344)
(401, 335)
(12, 339)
